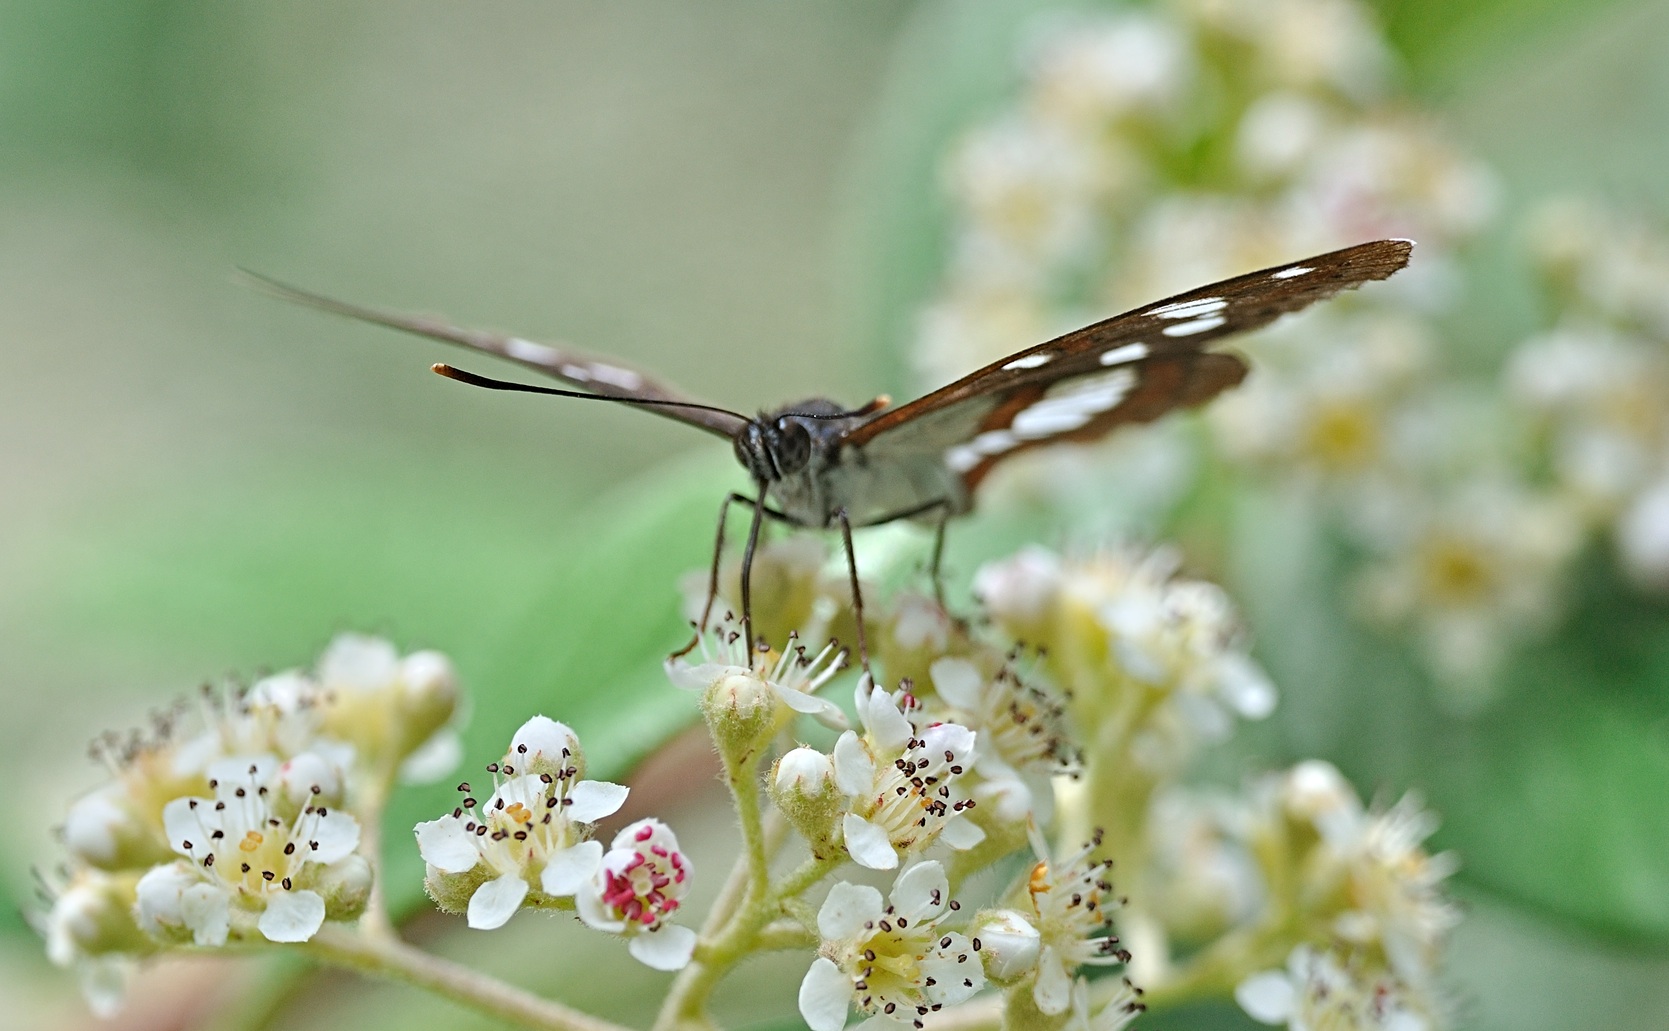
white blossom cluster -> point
(1070, 726)
(1058, 730)
(1156, 149)
(237, 822)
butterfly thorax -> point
(811, 472)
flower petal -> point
(1053, 991)
(189, 819)
(921, 891)
(568, 870)
(495, 902)
(846, 909)
(952, 981)
(206, 909)
(446, 846)
(854, 768)
(292, 916)
(157, 897)
(591, 800)
(668, 948)
(336, 834)
(820, 709)
(1267, 997)
(868, 844)
(593, 911)
(825, 995)
(961, 833)
(888, 727)
(957, 681)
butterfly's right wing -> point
(604, 377)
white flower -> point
(900, 780)
(793, 677)
(1472, 572)
(1072, 900)
(642, 882)
(1020, 733)
(1122, 623)
(250, 854)
(891, 961)
(530, 835)
(1317, 992)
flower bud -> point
(1009, 944)
(428, 697)
(93, 916)
(741, 712)
(544, 747)
(803, 787)
(105, 829)
(345, 886)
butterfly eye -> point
(791, 448)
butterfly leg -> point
(747, 565)
(934, 561)
(713, 571)
(857, 592)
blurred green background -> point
(200, 481)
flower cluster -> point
(1057, 730)
(1154, 150)
(1360, 880)
(239, 819)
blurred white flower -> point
(890, 961)
(250, 854)
(641, 883)
(90, 929)
(1020, 734)
(1318, 990)
(1122, 623)
(1471, 574)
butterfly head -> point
(773, 447)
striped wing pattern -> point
(1131, 368)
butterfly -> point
(819, 464)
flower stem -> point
(686, 1004)
(393, 960)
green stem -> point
(686, 1003)
(393, 960)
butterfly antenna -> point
(488, 383)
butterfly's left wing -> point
(1131, 368)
